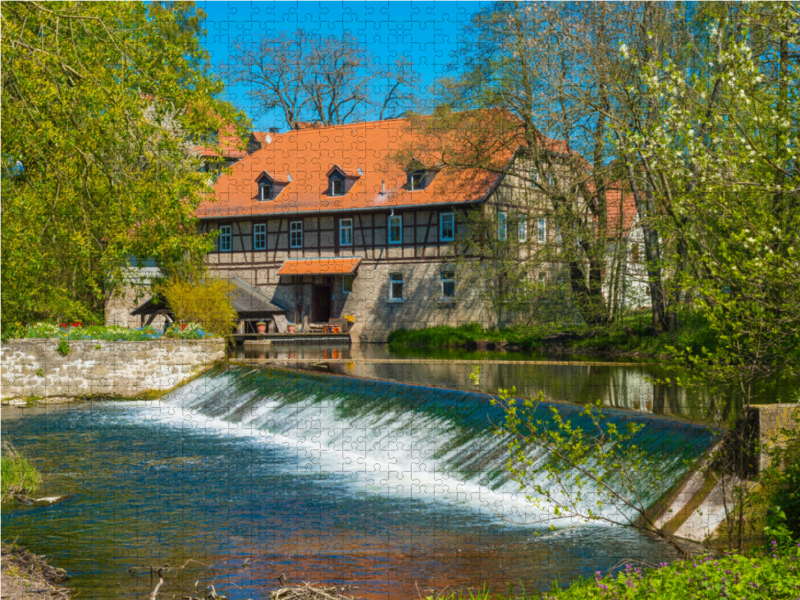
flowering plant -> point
(186, 331)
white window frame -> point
(346, 228)
(259, 232)
(421, 186)
(398, 220)
(442, 237)
(225, 238)
(443, 279)
(332, 190)
(396, 278)
(345, 279)
(295, 230)
(541, 230)
(522, 228)
(263, 186)
(502, 226)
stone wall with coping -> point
(34, 368)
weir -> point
(390, 438)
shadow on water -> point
(259, 472)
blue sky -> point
(424, 32)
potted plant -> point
(261, 327)
(290, 328)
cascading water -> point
(412, 441)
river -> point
(259, 472)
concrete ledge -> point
(33, 368)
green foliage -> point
(775, 576)
(593, 474)
(63, 347)
(18, 476)
(112, 333)
(781, 483)
(630, 334)
(205, 302)
(186, 331)
(39, 373)
(98, 102)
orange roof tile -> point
(229, 145)
(320, 266)
(309, 154)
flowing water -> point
(258, 472)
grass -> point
(19, 476)
(774, 574)
(630, 335)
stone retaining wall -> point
(34, 368)
(767, 422)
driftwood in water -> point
(309, 591)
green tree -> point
(99, 101)
(722, 159)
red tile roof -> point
(309, 154)
(229, 144)
(621, 211)
(320, 266)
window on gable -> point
(345, 232)
(542, 231)
(448, 284)
(396, 286)
(296, 234)
(396, 230)
(447, 227)
(225, 238)
(635, 253)
(502, 226)
(347, 284)
(265, 191)
(260, 236)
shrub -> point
(18, 476)
(186, 331)
(206, 302)
(63, 347)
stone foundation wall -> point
(34, 368)
(768, 421)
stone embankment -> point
(34, 368)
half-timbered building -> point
(327, 222)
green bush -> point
(775, 576)
(63, 347)
(206, 302)
(186, 331)
(18, 476)
(781, 485)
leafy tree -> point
(206, 301)
(723, 164)
(96, 166)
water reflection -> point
(621, 386)
(152, 488)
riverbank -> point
(29, 576)
(633, 337)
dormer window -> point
(419, 176)
(264, 191)
(337, 186)
(270, 186)
(416, 180)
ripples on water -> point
(374, 487)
